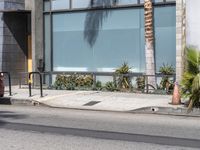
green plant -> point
(167, 69)
(166, 83)
(140, 83)
(84, 81)
(191, 78)
(60, 82)
(123, 81)
(98, 86)
(70, 82)
(110, 86)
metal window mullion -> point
(51, 39)
(51, 42)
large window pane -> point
(165, 35)
(157, 1)
(127, 2)
(60, 4)
(47, 5)
(47, 45)
(119, 38)
(117, 41)
(81, 3)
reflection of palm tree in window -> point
(94, 19)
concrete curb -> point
(168, 111)
(146, 110)
(19, 102)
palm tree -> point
(191, 78)
(149, 42)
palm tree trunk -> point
(149, 42)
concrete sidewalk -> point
(109, 101)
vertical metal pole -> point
(50, 80)
(9, 82)
(94, 81)
(41, 92)
(147, 84)
(20, 82)
(29, 83)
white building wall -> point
(193, 23)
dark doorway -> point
(16, 43)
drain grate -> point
(91, 103)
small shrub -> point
(166, 83)
(60, 82)
(98, 86)
(110, 86)
(84, 81)
(140, 83)
(70, 82)
(123, 81)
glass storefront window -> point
(47, 5)
(81, 3)
(101, 3)
(165, 35)
(127, 2)
(60, 4)
(158, 1)
(47, 44)
(116, 41)
(118, 37)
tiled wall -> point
(12, 57)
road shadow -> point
(9, 115)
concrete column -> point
(37, 32)
(180, 38)
(28, 4)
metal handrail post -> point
(29, 84)
(9, 82)
(41, 88)
(41, 91)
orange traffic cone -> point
(176, 98)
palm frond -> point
(196, 83)
(191, 78)
(193, 60)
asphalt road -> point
(34, 128)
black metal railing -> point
(30, 82)
(147, 87)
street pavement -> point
(109, 101)
(50, 128)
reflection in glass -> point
(47, 43)
(127, 2)
(117, 42)
(81, 3)
(60, 4)
(47, 5)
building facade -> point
(94, 36)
